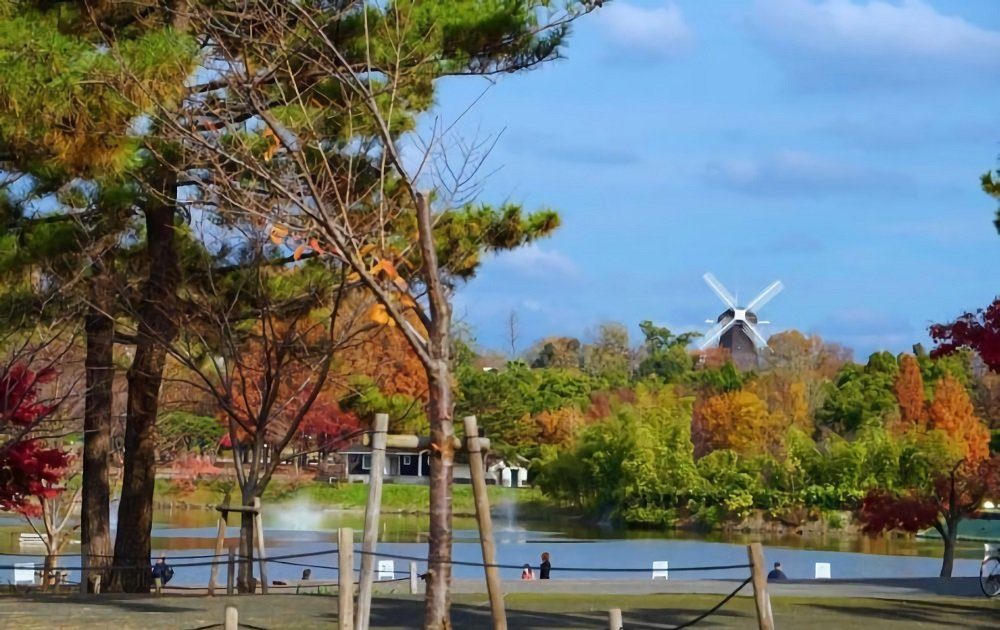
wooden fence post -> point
(220, 541)
(755, 553)
(231, 571)
(615, 619)
(258, 532)
(477, 470)
(370, 535)
(414, 579)
(345, 577)
(232, 618)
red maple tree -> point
(27, 467)
(955, 495)
(979, 331)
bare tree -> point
(258, 336)
(297, 126)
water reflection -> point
(304, 528)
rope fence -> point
(296, 560)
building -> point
(401, 465)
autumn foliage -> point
(909, 390)
(740, 421)
(952, 413)
(27, 468)
(979, 331)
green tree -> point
(666, 354)
(77, 151)
(639, 462)
(860, 396)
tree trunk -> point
(157, 327)
(49, 571)
(245, 579)
(438, 596)
(95, 520)
(949, 538)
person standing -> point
(545, 567)
(526, 573)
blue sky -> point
(832, 144)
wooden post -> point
(370, 536)
(84, 564)
(258, 532)
(755, 553)
(615, 619)
(477, 469)
(232, 618)
(231, 571)
(345, 577)
(220, 540)
(414, 579)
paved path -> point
(882, 589)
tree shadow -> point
(135, 602)
(938, 614)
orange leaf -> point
(298, 252)
(378, 314)
(278, 234)
(314, 244)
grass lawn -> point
(472, 611)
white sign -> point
(24, 573)
(660, 569)
(822, 570)
(386, 570)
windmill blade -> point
(761, 342)
(720, 290)
(765, 296)
(716, 332)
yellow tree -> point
(952, 413)
(739, 421)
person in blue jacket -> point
(161, 574)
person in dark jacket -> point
(776, 574)
(161, 574)
(545, 567)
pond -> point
(299, 528)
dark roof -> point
(359, 449)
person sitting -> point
(307, 574)
(776, 574)
(526, 573)
(161, 574)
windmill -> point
(736, 328)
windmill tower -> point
(736, 328)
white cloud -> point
(795, 172)
(837, 41)
(657, 33)
(535, 262)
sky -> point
(835, 145)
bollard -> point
(232, 618)
(414, 579)
(615, 619)
(345, 578)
